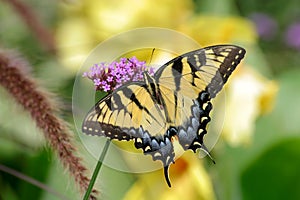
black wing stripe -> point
(130, 95)
(202, 58)
(163, 103)
(108, 102)
(175, 104)
(177, 70)
(195, 61)
(177, 65)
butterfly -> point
(174, 104)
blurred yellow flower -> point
(210, 30)
(74, 42)
(248, 95)
(88, 23)
(109, 17)
(188, 177)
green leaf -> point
(275, 174)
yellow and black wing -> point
(125, 114)
(199, 75)
(206, 69)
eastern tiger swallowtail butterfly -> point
(173, 104)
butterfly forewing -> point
(204, 69)
(124, 112)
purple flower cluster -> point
(108, 77)
(292, 36)
(266, 26)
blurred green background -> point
(258, 152)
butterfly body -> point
(174, 103)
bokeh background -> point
(258, 152)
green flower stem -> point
(96, 171)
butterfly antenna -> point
(166, 172)
(151, 56)
(203, 148)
